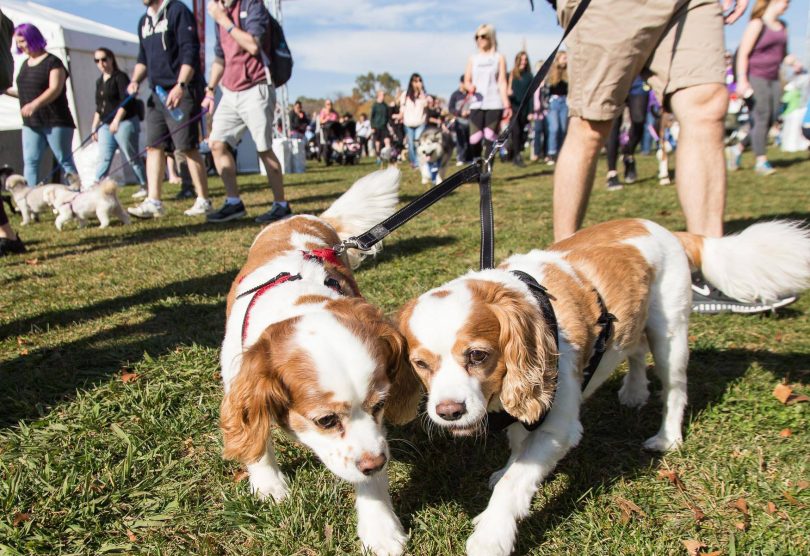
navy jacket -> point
(168, 41)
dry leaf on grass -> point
(697, 512)
(21, 340)
(20, 518)
(770, 508)
(801, 485)
(782, 392)
(672, 477)
(790, 498)
(32, 262)
(798, 399)
(784, 433)
(131, 536)
(24, 351)
(741, 526)
(628, 508)
(693, 547)
(240, 476)
(741, 505)
(129, 377)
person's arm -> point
(94, 126)
(739, 9)
(468, 84)
(137, 76)
(12, 92)
(56, 82)
(121, 84)
(217, 69)
(188, 44)
(752, 32)
(243, 38)
(502, 87)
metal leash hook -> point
(348, 243)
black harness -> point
(499, 420)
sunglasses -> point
(104, 59)
(481, 36)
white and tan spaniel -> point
(100, 201)
(32, 201)
(303, 351)
(481, 344)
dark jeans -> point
(638, 115)
(462, 130)
(519, 133)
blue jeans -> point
(540, 142)
(557, 123)
(413, 134)
(126, 139)
(34, 141)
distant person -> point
(248, 102)
(169, 55)
(117, 126)
(299, 121)
(413, 107)
(763, 49)
(459, 108)
(47, 121)
(538, 119)
(380, 115)
(331, 130)
(637, 105)
(363, 134)
(486, 80)
(557, 114)
(520, 79)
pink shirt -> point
(242, 70)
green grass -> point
(103, 466)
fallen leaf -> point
(32, 262)
(770, 508)
(802, 485)
(797, 399)
(664, 212)
(131, 536)
(693, 546)
(20, 518)
(240, 476)
(697, 513)
(672, 477)
(217, 376)
(777, 337)
(741, 526)
(628, 508)
(784, 433)
(21, 340)
(129, 377)
(741, 505)
(782, 392)
(790, 498)
(692, 338)
(24, 351)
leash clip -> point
(346, 244)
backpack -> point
(279, 58)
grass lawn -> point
(110, 391)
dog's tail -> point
(109, 187)
(765, 262)
(368, 202)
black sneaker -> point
(630, 175)
(517, 160)
(186, 194)
(227, 212)
(708, 300)
(11, 246)
(613, 183)
(276, 212)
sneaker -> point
(708, 300)
(733, 155)
(764, 168)
(276, 212)
(185, 193)
(227, 212)
(550, 161)
(11, 246)
(201, 206)
(630, 175)
(147, 209)
(517, 160)
(613, 183)
(140, 194)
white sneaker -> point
(140, 194)
(147, 209)
(200, 207)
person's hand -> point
(132, 88)
(207, 104)
(739, 9)
(29, 109)
(95, 137)
(114, 125)
(744, 88)
(218, 13)
(175, 96)
(798, 67)
(507, 112)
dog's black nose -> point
(450, 410)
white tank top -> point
(485, 78)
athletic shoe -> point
(630, 175)
(201, 206)
(764, 168)
(276, 212)
(517, 160)
(709, 300)
(147, 209)
(228, 212)
(186, 193)
(11, 246)
(733, 155)
(613, 183)
(140, 194)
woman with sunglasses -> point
(485, 79)
(115, 122)
(47, 122)
(414, 104)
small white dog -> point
(31, 200)
(100, 200)
(434, 150)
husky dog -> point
(434, 149)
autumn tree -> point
(367, 84)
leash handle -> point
(487, 259)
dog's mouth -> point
(472, 429)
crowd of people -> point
(589, 100)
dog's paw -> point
(382, 534)
(495, 477)
(662, 443)
(634, 393)
(269, 484)
(494, 535)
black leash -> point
(480, 170)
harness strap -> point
(605, 323)
(257, 293)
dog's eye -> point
(328, 421)
(378, 407)
(420, 363)
(477, 356)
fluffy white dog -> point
(100, 200)
(434, 149)
(31, 200)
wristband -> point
(229, 29)
(182, 85)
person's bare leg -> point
(226, 167)
(274, 176)
(6, 231)
(196, 167)
(154, 172)
(574, 173)
(700, 168)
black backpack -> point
(279, 58)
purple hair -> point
(33, 37)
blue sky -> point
(334, 41)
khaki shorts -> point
(251, 109)
(672, 44)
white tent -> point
(74, 40)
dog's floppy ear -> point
(254, 402)
(402, 402)
(529, 354)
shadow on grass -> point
(447, 470)
(30, 383)
(405, 247)
(787, 162)
(536, 174)
(740, 224)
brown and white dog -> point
(31, 200)
(481, 344)
(303, 351)
(100, 201)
